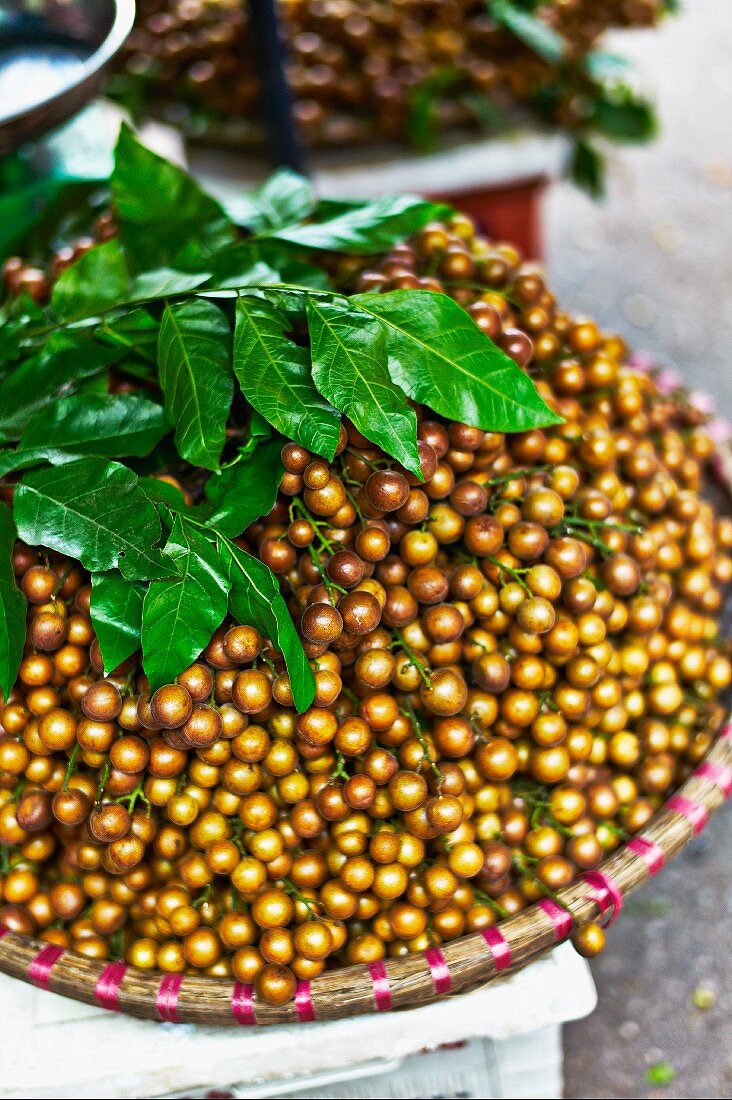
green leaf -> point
(367, 228)
(602, 66)
(13, 460)
(618, 114)
(239, 267)
(547, 43)
(255, 600)
(36, 383)
(92, 510)
(439, 356)
(350, 368)
(31, 214)
(660, 1073)
(490, 117)
(422, 124)
(588, 168)
(135, 330)
(111, 425)
(12, 607)
(163, 456)
(13, 330)
(100, 282)
(96, 282)
(293, 269)
(245, 491)
(165, 282)
(259, 430)
(116, 614)
(286, 197)
(97, 386)
(180, 615)
(261, 263)
(194, 361)
(161, 209)
(162, 492)
(274, 375)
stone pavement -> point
(669, 953)
(654, 262)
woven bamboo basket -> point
(418, 979)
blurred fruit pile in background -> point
(408, 71)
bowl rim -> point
(122, 23)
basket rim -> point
(455, 967)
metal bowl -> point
(53, 54)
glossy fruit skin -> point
(589, 940)
(171, 706)
(502, 681)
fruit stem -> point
(297, 505)
(529, 471)
(617, 830)
(593, 524)
(514, 573)
(62, 580)
(202, 897)
(309, 903)
(410, 713)
(484, 899)
(103, 776)
(588, 536)
(269, 663)
(349, 694)
(126, 688)
(326, 546)
(340, 770)
(131, 798)
(421, 667)
(71, 766)
(354, 502)
(117, 944)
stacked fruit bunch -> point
(389, 70)
(401, 676)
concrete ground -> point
(665, 986)
(654, 261)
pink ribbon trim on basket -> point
(498, 946)
(696, 814)
(242, 1004)
(381, 987)
(725, 734)
(560, 918)
(650, 852)
(605, 894)
(440, 971)
(717, 774)
(40, 969)
(3, 932)
(304, 1003)
(109, 984)
(166, 999)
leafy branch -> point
(235, 344)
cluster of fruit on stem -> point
(359, 71)
(516, 658)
